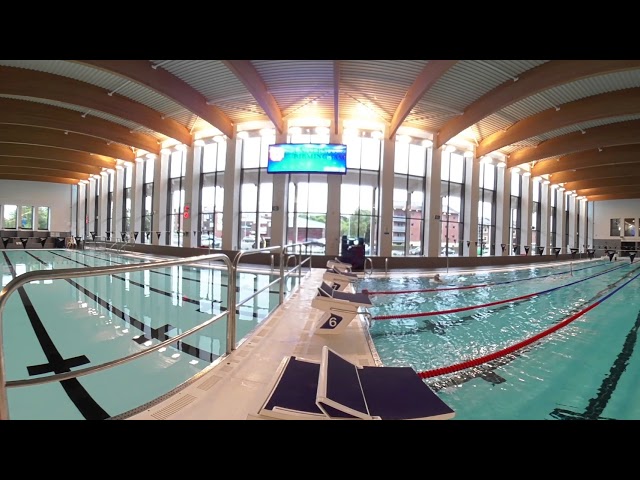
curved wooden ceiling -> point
(575, 122)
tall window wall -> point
(487, 209)
(360, 189)
(148, 166)
(308, 195)
(213, 162)
(126, 201)
(516, 211)
(175, 198)
(452, 205)
(256, 190)
(408, 196)
(536, 213)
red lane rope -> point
(506, 351)
(454, 310)
(498, 302)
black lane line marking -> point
(84, 402)
(197, 280)
(609, 384)
(148, 333)
(153, 289)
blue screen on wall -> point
(307, 158)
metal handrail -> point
(365, 265)
(64, 273)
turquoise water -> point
(60, 325)
(585, 370)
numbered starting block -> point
(340, 266)
(339, 280)
(339, 307)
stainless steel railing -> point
(65, 273)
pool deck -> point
(235, 388)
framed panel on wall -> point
(614, 229)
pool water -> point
(584, 370)
(57, 326)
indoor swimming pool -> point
(56, 326)
(577, 324)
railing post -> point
(281, 301)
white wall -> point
(56, 196)
(604, 211)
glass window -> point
(630, 227)
(614, 227)
(212, 194)
(487, 210)
(452, 203)
(10, 216)
(359, 192)
(43, 218)
(408, 199)
(26, 218)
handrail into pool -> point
(65, 273)
(280, 250)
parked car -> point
(209, 240)
(444, 251)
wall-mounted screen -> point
(307, 158)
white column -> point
(545, 211)
(136, 200)
(160, 189)
(503, 211)
(433, 203)
(334, 182)
(280, 202)
(103, 206)
(191, 187)
(526, 208)
(572, 223)
(560, 221)
(74, 196)
(386, 197)
(230, 219)
(590, 223)
(82, 193)
(472, 188)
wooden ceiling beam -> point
(543, 77)
(35, 178)
(57, 138)
(621, 133)
(21, 112)
(21, 150)
(31, 83)
(595, 107)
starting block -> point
(339, 307)
(340, 266)
(339, 280)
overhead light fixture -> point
(526, 173)
(403, 138)
(427, 143)
(450, 148)
(218, 139)
(199, 143)
(151, 156)
(468, 154)
(243, 134)
(164, 151)
(515, 169)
